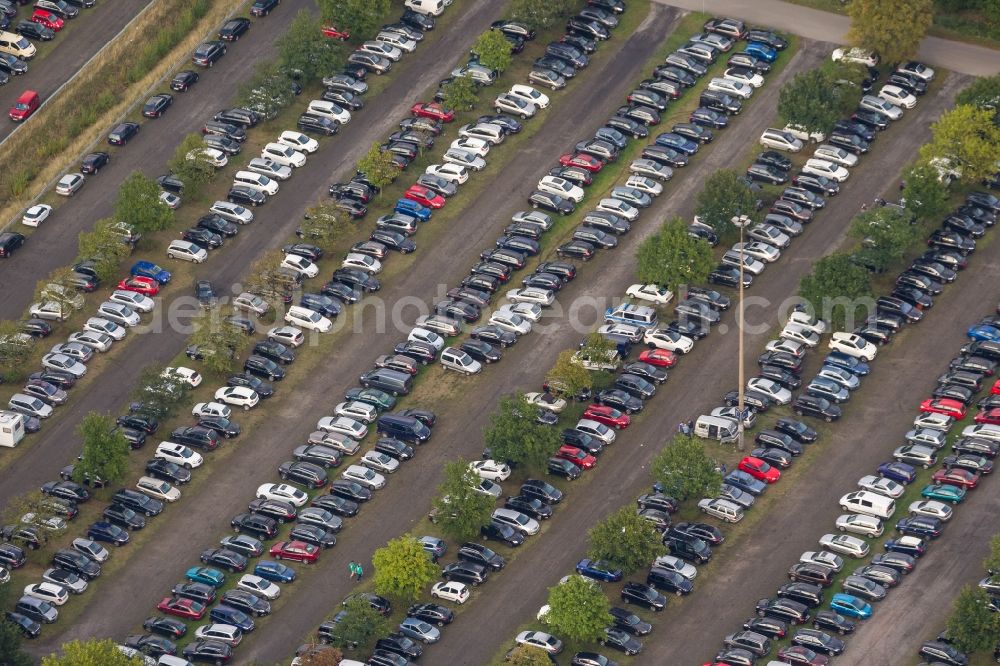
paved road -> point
(704, 376)
(817, 24)
(114, 612)
(54, 244)
(83, 37)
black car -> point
(123, 516)
(228, 428)
(817, 184)
(215, 652)
(171, 472)
(133, 499)
(280, 511)
(232, 29)
(401, 645)
(628, 126)
(263, 7)
(263, 368)
(196, 437)
(350, 490)
(67, 490)
(165, 626)
(76, 562)
(184, 80)
(199, 592)
(341, 291)
(12, 556)
(871, 119)
(203, 238)
(422, 22)
(94, 162)
(36, 31)
(314, 534)
(304, 473)
(830, 620)
(156, 105)
(806, 405)
(530, 506)
(466, 572)
(503, 533)
(256, 524)
(435, 614)
(357, 279)
(218, 225)
(308, 122)
(643, 595)
(621, 398)
(224, 558)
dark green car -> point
(378, 399)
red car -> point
(47, 19)
(432, 110)
(759, 469)
(995, 390)
(424, 196)
(956, 476)
(662, 358)
(300, 551)
(991, 416)
(609, 416)
(946, 406)
(576, 456)
(143, 285)
(582, 160)
(189, 609)
(26, 104)
(334, 33)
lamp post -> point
(740, 221)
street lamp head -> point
(740, 220)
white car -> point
(64, 363)
(759, 250)
(817, 326)
(517, 520)
(677, 565)
(232, 212)
(897, 96)
(451, 172)
(744, 75)
(455, 359)
(157, 489)
(644, 184)
(283, 154)
(100, 341)
(299, 141)
(823, 558)
(451, 591)
(300, 265)
(336, 441)
(426, 336)
(356, 410)
(930, 508)
(881, 485)
(395, 39)
(856, 55)
(73, 583)
(490, 469)
(546, 401)
(793, 347)
(514, 105)
(70, 183)
(596, 429)
(256, 181)
(259, 586)
(982, 431)
(934, 421)
(308, 319)
(619, 207)
(818, 167)
(286, 335)
(343, 425)
(853, 345)
(844, 544)
(381, 49)
(50, 592)
(780, 140)
(883, 106)
(869, 526)
(240, 396)
(490, 132)
(109, 328)
(224, 633)
(650, 292)
(512, 322)
(487, 487)
(918, 69)
(320, 107)
(186, 251)
(464, 159)
(772, 389)
(380, 462)
(362, 262)
(666, 339)
(51, 310)
(186, 375)
(540, 640)
(562, 187)
(530, 95)
(739, 89)
(530, 311)
(133, 299)
(35, 215)
(364, 476)
(213, 156)
(631, 331)
(750, 264)
(802, 134)
(533, 295)
(722, 509)
(178, 454)
(472, 145)
(211, 409)
(835, 154)
(268, 167)
(798, 333)
(251, 303)
(282, 492)
(770, 234)
(118, 313)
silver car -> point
(269, 168)
(232, 212)
(69, 184)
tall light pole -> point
(740, 221)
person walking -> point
(359, 570)
(352, 567)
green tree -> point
(139, 204)
(360, 625)
(983, 93)
(461, 94)
(886, 234)
(268, 91)
(15, 351)
(625, 540)
(160, 395)
(892, 28)
(973, 626)
(104, 247)
(378, 167)
(540, 14)
(267, 279)
(191, 165)
(514, 434)
(361, 17)
(323, 225)
(221, 343)
(571, 377)
(403, 569)
(319, 654)
(105, 450)
(305, 51)
(578, 609)
(968, 140)
(11, 639)
(671, 257)
(526, 655)
(817, 98)
(685, 470)
(33, 501)
(493, 50)
(93, 652)
(837, 286)
(724, 197)
(460, 509)
(992, 561)
(926, 195)
(59, 288)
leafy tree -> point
(93, 652)
(33, 501)
(514, 434)
(817, 98)
(671, 257)
(972, 625)
(571, 378)
(886, 234)
(968, 139)
(578, 609)
(10, 642)
(992, 561)
(460, 509)
(323, 226)
(597, 346)
(540, 14)
(983, 93)
(221, 344)
(685, 470)
(267, 279)
(403, 569)
(268, 91)
(321, 655)
(493, 50)
(15, 351)
(625, 540)
(462, 93)
(58, 288)
(892, 28)
(926, 195)
(139, 204)
(526, 655)
(378, 167)
(160, 396)
(361, 17)
(195, 171)
(104, 247)
(835, 287)
(360, 625)
(105, 450)
(724, 197)
(305, 51)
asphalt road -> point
(818, 24)
(115, 611)
(274, 224)
(82, 38)
(54, 244)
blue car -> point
(598, 570)
(410, 207)
(850, 363)
(276, 572)
(206, 575)
(920, 526)
(908, 545)
(851, 606)
(107, 532)
(677, 142)
(745, 482)
(762, 51)
(230, 615)
(898, 472)
(984, 332)
(150, 270)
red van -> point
(25, 105)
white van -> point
(868, 503)
(456, 359)
(256, 181)
(432, 7)
(627, 313)
(16, 45)
(721, 428)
